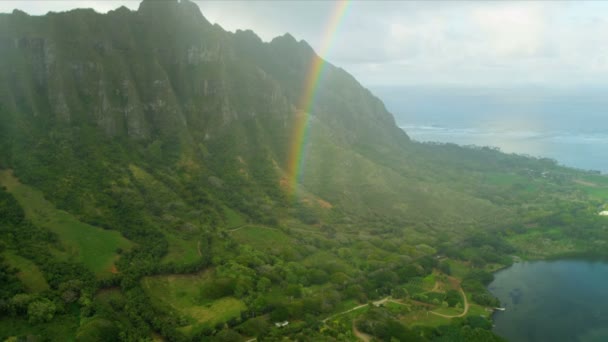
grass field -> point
(233, 219)
(181, 251)
(428, 282)
(448, 311)
(478, 310)
(93, 246)
(423, 317)
(29, 274)
(600, 193)
(108, 294)
(539, 244)
(595, 186)
(262, 238)
(182, 294)
(504, 179)
(62, 328)
(459, 269)
(399, 308)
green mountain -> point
(146, 192)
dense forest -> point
(145, 194)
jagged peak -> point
(19, 12)
(290, 42)
(167, 8)
(191, 8)
(156, 6)
(248, 34)
(121, 9)
(304, 44)
(286, 38)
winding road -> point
(361, 335)
(466, 308)
(376, 303)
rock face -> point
(84, 95)
(165, 70)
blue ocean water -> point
(568, 125)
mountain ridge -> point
(173, 88)
(178, 135)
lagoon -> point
(562, 300)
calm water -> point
(568, 125)
(564, 300)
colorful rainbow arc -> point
(297, 150)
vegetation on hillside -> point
(144, 194)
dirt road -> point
(466, 307)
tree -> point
(228, 335)
(263, 284)
(41, 311)
(279, 314)
(444, 267)
(453, 297)
(19, 303)
(399, 293)
(294, 290)
(97, 330)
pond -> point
(562, 300)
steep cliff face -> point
(165, 70)
(178, 134)
(164, 84)
(85, 96)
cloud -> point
(411, 42)
(41, 7)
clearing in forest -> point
(93, 246)
(186, 294)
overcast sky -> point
(404, 43)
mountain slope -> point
(177, 134)
(164, 83)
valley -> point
(150, 191)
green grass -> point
(423, 317)
(597, 192)
(181, 251)
(262, 238)
(594, 186)
(61, 328)
(504, 179)
(596, 179)
(106, 295)
(458, 268)
(93, 246)
(398, 308)
(428, 282)
(233, 219)
(219, 311)
(182, 294)
(478, 310)
(29, 274)
(346, 305)
(449, 311)
(348, 315)
(540, 244)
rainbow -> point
(298, 143)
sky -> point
(401, 43)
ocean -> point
(569, 125)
